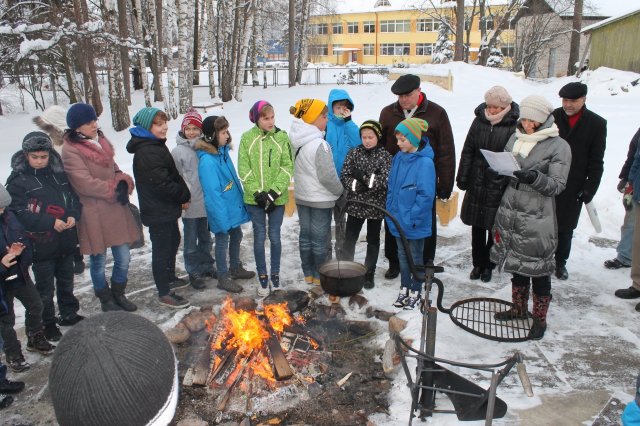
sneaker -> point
(8, 386)
(52, 332)
(197, 282)
(411, 301)
(392, 272)
(172, 300)
(18, 364)
(177, 283)
(38, 343)
(308, 280)
(211, 274)
(275, 281)
(226, 283)
(315, 281)
(402, 298)
(240, 273)
(263, 289)
(615, 264)
(627, 293)
(68, 321)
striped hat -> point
(191, 117)
(412, 129)
(144, 117)
(254, 112)
(308, 109)
(373, 125)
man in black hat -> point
(586, 133)
(412, 102)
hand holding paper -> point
(503, 163)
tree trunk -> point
(96, 101)
(123, 32)
(303, 37)
(211, 19)
(156, 56)
(292, 43)
(243, 46)
(185, 61)
(196, 45)
(170, 106)
(458, 55)
(574, 49)
(137, 15)
(68, 73)
(483, 54)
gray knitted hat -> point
(5, 198)
(115, 368)
(535, 108)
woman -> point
(106, 220)
(495, 121)
(525, 232)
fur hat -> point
(405, 84)
(55, 116)
(308, 109)
(208, 128)
(5, 198)
(191, 117)
(412, 129)
(498, 96)
(115, 368)
(144, 117)
(80, 114)
(36, 141)
(535, 108)
(373, 125)
(573, 90)
(254, 112)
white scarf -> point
(525, 143)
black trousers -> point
(352, 232)
(564, 247)
(165, 241)
(27, 294)
(539, 285)
(56, 275)
(481, 243)
(429, 253)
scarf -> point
(495, 119)
(525, 143)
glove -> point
(526, 176)
(270, 204)
(122, 193)
(621, 186)
(585, 196)
(443, 194)
(261, 198)
(627, 198)
(359, 175)
(462, 186)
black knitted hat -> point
(373, 125)
(208, 127)
(115, 368)
(36, 141)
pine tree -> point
(442, 52)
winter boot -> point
(38, 343)
(520, 299)
(225, 282)
(117, 291)
(106, 300)
(239, 273)
(368, 279)
(52, 332)
(540, 308)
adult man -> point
(586, 133)
(412, 102)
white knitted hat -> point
(535, 108)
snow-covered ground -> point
(590, 352)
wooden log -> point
(281, 368)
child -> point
(197, 239)
(223, 199)
(365, 175)
(317, 184)
(631, 413)
(265, 167)
(162, 194)
(48, 209)
(410, 197)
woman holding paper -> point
(495, 122)
(525, 232)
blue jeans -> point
(626, 237)
(56, 276)
(228, 241)
(197, 246)
(121, 258)
(406, 280)
(315, 225)
(259, 222)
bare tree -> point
(303, 38)
(123, 30)
(137, 15)
(92, 90)
(185, 54)
(170, 30)
(459, 49)
(574, 49)
(244, 37)
(292, 43)
(211, 46)
(502, 19)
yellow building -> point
(388, 32)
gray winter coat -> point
(186, 159)
(525, 231)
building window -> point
(336, 48)
(320, 29)
(369, 27)
(467, 23)
(488, 23)
(336, 28)
(368, 49)
(424, 49)
(395, 26)
(427, 24)
(352, 27)
(508, 49)
(394, 49)
(382, 3)
(318, 50)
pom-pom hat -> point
(308, 110)
(412, 129)
(191, 117)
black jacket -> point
(161, 189)
(38, 198)
(633, 147)
(587, 140)
(11, 231)
(483, 191)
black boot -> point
(393, 271)
(117, 291)
(106, 300)
(368, 279)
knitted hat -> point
(412, 129)
(254, 112)
(55, 116)
(405, 84)
(373, 125)
(208, 128)
(573, 90)
(144, 117)
(191, 117)
(498, 96)
(115, 368)
(308, 109)
(5, 198)
(535, 108)
(36, 141)
(80, 114)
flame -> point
(242, 330)
(278, 316)
(262, 368)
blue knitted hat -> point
(144, 117)
(80, 114)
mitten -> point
(272, 195)
(443, 194)
(122, 193)
(360, 176)
(526, 176)
(585, 196)
(462, 185)
(621, 186)
(627, 198)
(261, 198)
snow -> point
(593, 339)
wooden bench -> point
(204, 107)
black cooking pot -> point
(342, 277)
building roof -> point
(340, 7)
(609, 20)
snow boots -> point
(106, 300)
(369, 279)
(540, 309)
(117, 291)
(520, 299)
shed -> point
(614, 42)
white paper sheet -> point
(502, 162)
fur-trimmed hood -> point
(19, 163)
(55, 133)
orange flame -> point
(242, 330)
(278, 316)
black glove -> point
(122, 193)
(462, 186)
(359, 175)
(443, 194)
(526, 176)
(621, 186)
(585, 196)
(261, 198)
(271, 198)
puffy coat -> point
(94, 175)
(439, 134)
(587, 140)
(39, 197)
(376, 163)
(411, 192)
(317, 183)
(13, 232)
(525, 232)
(186, 159)
(161, 189)
(631, 153)
(483, 193)
(342, 135)
(223, 196)
(265, 163)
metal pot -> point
(342, 277)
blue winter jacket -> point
(223, 196)
(341, 135)
(634, 176)
(411, 192)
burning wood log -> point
(226, 362)
(227, 394)
(281, 368)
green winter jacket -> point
(264, 163)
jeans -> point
(197, 246)
(27, 294)
(352, 232)
(481, 242)
(259, 222)
(121, 259)
(626, 237)
(429, 250)
(56, 275)
(406, 279)
(228, 241)
(315, 224)
(165, 241)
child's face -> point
(38, 160)
(267, 122)
(340, 110)
(191, 131)
(223, 137)
(404, 144)
(369, 138)
(321, 121)
(159, 129)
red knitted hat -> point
(191, 117)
